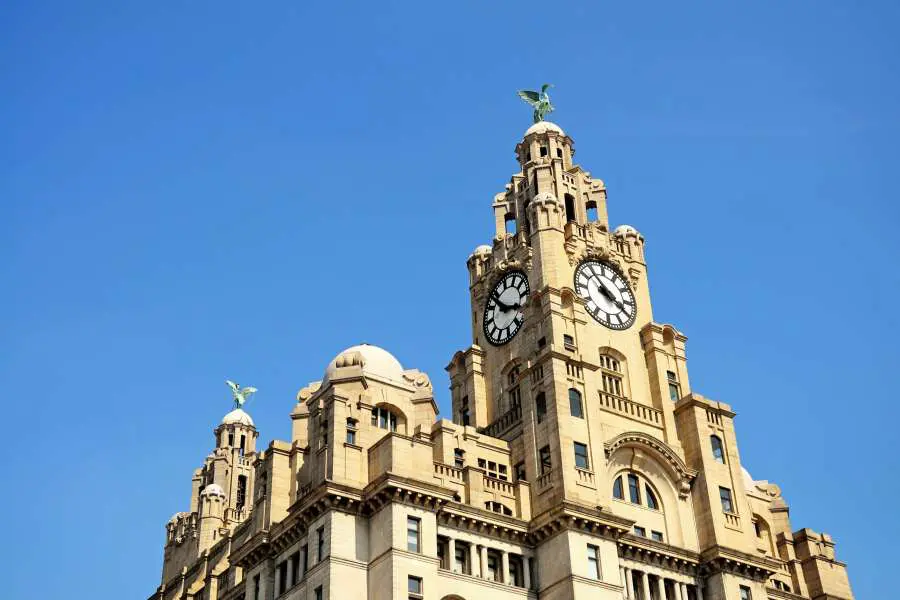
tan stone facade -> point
(578, 462)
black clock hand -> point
(609, 294)
(503, 307)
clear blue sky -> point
(199, 190)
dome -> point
(749, 484)
(373, 360)
(483, 249)
(237, 416)
(213, 489)
(544, 127)
(626, 230)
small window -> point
(727, 504)
(528, 155)
(493, 567)
(323, 434)
(591, 209)
(640, 531)
(745, 593)
(656, 536)
(295, 568)
(459, 457)
(351, 431)
(757, 529)
(543, 150)
(634, 490)
(581, 456)
(413, 534)
(384, 419)
(320, 544)
(256, 587)
(319, 595)
(617, 489)
(651, 498)
(546, 466)
(498, 508)
(570, 207)
(674, 388)
(593, 553)
(230, 439)
(568, 341)
(540, 406)
(575, 406)
(520, 472)
(515, 397)
(559, 153)
(717, 450)
(542, 342)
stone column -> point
(504, 566)
(622, 580)
(629, 583)
(661, 583)
(683, 588)
(526, 571)
(289, 576)
(645, 585)
(474, 567)
(451, 552)
(484, 572)
(699, 587)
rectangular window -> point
(515, 398)
(295, 568)
(745, 593)
(520, 472)
(725, 495)
(492, 567)
(351, 437)
(568, 342)
(320, 544)
(459, 458)
(634, 490)
(319, 593)
(593, 561)
(545, 460)
(516, 577)
(674, 388)
(460, 560)
(581, 456)
(540, 406)
(413, 534)
(256, 587)
(640, 531)
(414, 586)
(575, 407)
(656, 536)
(282, 578)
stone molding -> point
(683, 475)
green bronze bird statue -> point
(540, 101)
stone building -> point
(578, 462)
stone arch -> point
(662, 469)
(765, 530)
(453, 597)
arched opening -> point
(717, 449)
(570, 207)
(510, 223)
(591, 208)
(388, 417)
(497, 507)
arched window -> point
(384, 418)
(591, 208)
(717, 450)
(612, 374)
(497, 508)
(575, 405)
(639, 491)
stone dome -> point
(237, 416)
(544, 127)
(483, 249)
(373, 360)
(213, 489)
(626, 230)
(749, 484)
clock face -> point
(503, 314)
(606, 294)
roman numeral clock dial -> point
(503, 312)
(606, 294)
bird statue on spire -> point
(239, 395)
(539, 100)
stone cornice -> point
(721, 559)
(694, 399)
(570, 516)
(645, 550)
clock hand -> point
(606, 292)
(496, 298)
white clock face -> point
(503, 313)
(606, 294)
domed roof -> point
(237, 416)
(483, 249)
(749, 484)
(373, 360)
(213, 489)
(544, 127)
(625, 230)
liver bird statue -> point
(240, 395)
(539, 100)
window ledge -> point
(354, 446)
